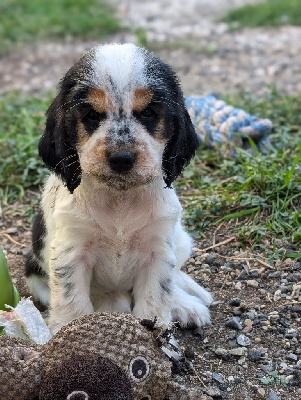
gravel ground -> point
(252, 349)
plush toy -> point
(98, 356)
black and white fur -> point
(109, 234)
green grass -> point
(268, 13)
(26, 21)
(258, 194)
(22, 119)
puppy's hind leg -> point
(191, 299)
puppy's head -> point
(119, 118)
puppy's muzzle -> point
(121, 161)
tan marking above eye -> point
(99, 100)
(141, 98)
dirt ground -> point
(256, 314)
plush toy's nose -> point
(121, 161)
(78, 395)
(82, 377)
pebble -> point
(248, 325)
(232, 334)
(252, 283)
(243, 340)
(235, 302)
(261, 392)
(234, 323)
(223, 353)
(238, 351)
(213, 391)
(275, 274)
(273, 396)
(250, 315)
(218, 378)
(292, 357)
(243, 275)
(12, 231)
(189, 353)
(255, 354)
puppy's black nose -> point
(121, 161)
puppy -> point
(108, 236)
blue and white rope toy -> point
(216, 123)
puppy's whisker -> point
(65, 159)
(70, 147)
(77, 104)
(76, 178)
(165, 101)
(69, 165)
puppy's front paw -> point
(189, 310)
(152, 312)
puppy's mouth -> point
(124, 181)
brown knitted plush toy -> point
(99, 356)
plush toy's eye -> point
(78, 395)
(139, 368)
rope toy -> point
(216, 123)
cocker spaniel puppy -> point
(109, 234)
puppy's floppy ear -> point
(180, 146)
(57, 145)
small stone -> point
(12, 231)
(283, 365)
(235, 302)
(217, 377)
(273, 396)
(277, 295)
(292, 357)
(296, 308)
(255, 355)
(243, 275)
(243, 340)
(250, 315)
(188, 353)
(297, 266)
(188, 366)
(248, 325)
(233, 323)
(252, 283)
(261, 392)
(275, 274)
(232, 334)
(238, 351)
(223, 353)
(213, 391)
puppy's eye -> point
(148, 112)
(94, 116)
